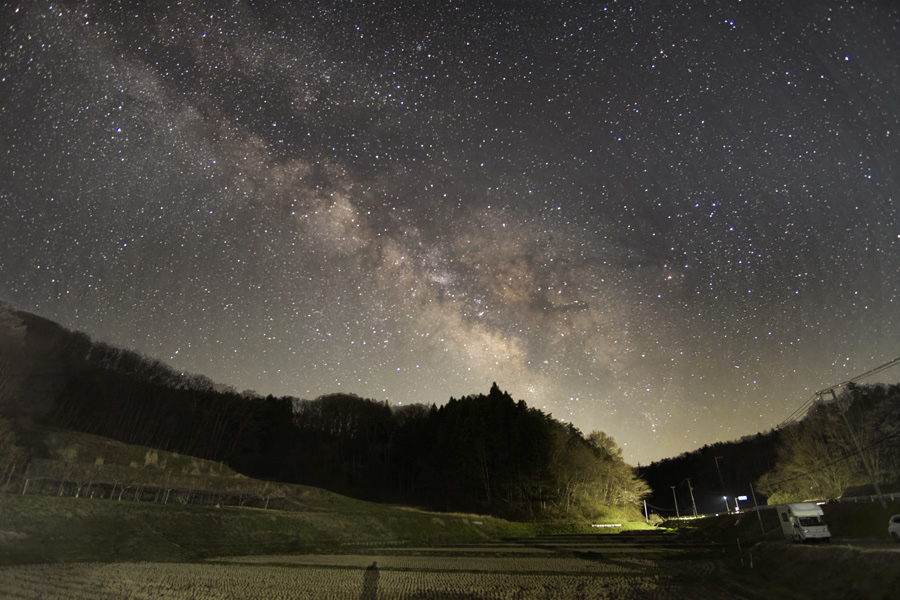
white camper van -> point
(802, 522)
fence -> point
(143, 488)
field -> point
(88, 548)
(584, 567)
(103, 544)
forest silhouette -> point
(485, 453)
(482, 453)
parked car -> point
(894, 528)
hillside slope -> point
(73, 509)
(36, 529)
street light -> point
(725, 498)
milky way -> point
(670, 221)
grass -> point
(76, 531)
(36, 529)
(828, 571)
(40, 528)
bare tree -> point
(12, 345)
(606, 443)
(12, 456)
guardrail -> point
(892, 497)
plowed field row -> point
(453, 575)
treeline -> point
(479, 453)
(704, 477)
(846, 444)
(484, 453)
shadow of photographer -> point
(370, 582)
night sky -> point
(670, 221)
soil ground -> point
(576, 566)
(83, 548)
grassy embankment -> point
(49, 528)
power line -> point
(804, 408)
(878, 369)
(834, 461)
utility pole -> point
(721, 483)
(694, 503)
(756, 507)
(676, 500)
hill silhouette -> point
(486, 452)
